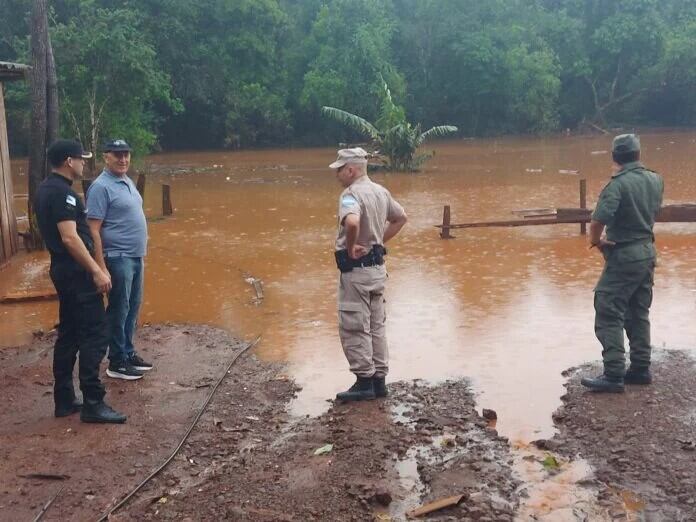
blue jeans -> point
(124, 304)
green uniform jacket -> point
(628, 206)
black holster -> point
(374, 257)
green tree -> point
(483, 65)
(221, 56)
(349, 54)
(110, 79)
(615, 43)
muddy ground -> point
(642, 444)
(247, 459)
(98, 463)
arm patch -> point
(348, 201)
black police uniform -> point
(82, 319)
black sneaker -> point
(137, 363)
(123, 371)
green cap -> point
(626, 143)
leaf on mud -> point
(162, 500)
(324, 450)
(448, 442)
(550, 463)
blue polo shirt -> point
(115, 200)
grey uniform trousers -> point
(361, 320)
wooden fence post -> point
(446, 220)
(166, 200)
(86, 183)
(140, 185)
(583, 203)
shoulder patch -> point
(348, 201)
(70, 200)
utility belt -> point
(63, 259)
(625, 244)
(374, 257)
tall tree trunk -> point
(53, 119)
(37, 152)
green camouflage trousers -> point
(622, 300)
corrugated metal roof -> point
(13, 71)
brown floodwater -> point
(509, 308)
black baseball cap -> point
(117, 146)
(60, 150)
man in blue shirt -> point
(116, 218)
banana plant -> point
(396, 140)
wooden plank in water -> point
(534, 212)
(684, 213)
(29, 295)
(512, 223)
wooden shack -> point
(8, 221)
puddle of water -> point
(634, 506)
(410, 484)
(560, 496)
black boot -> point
(63, 410)
(380, 386)
(362, 390)
(604, 383)
(101, 413)
(638, 376)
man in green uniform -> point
(627, 207)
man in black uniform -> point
(80, 283)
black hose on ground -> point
(130, 495)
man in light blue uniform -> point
(116, 218)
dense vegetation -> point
(229, 73)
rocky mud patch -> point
(641, 444)
(377, 460)
(247, 458)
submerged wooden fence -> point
(681, 213)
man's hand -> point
(102, 280)
(602, 244)
(357, 251)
